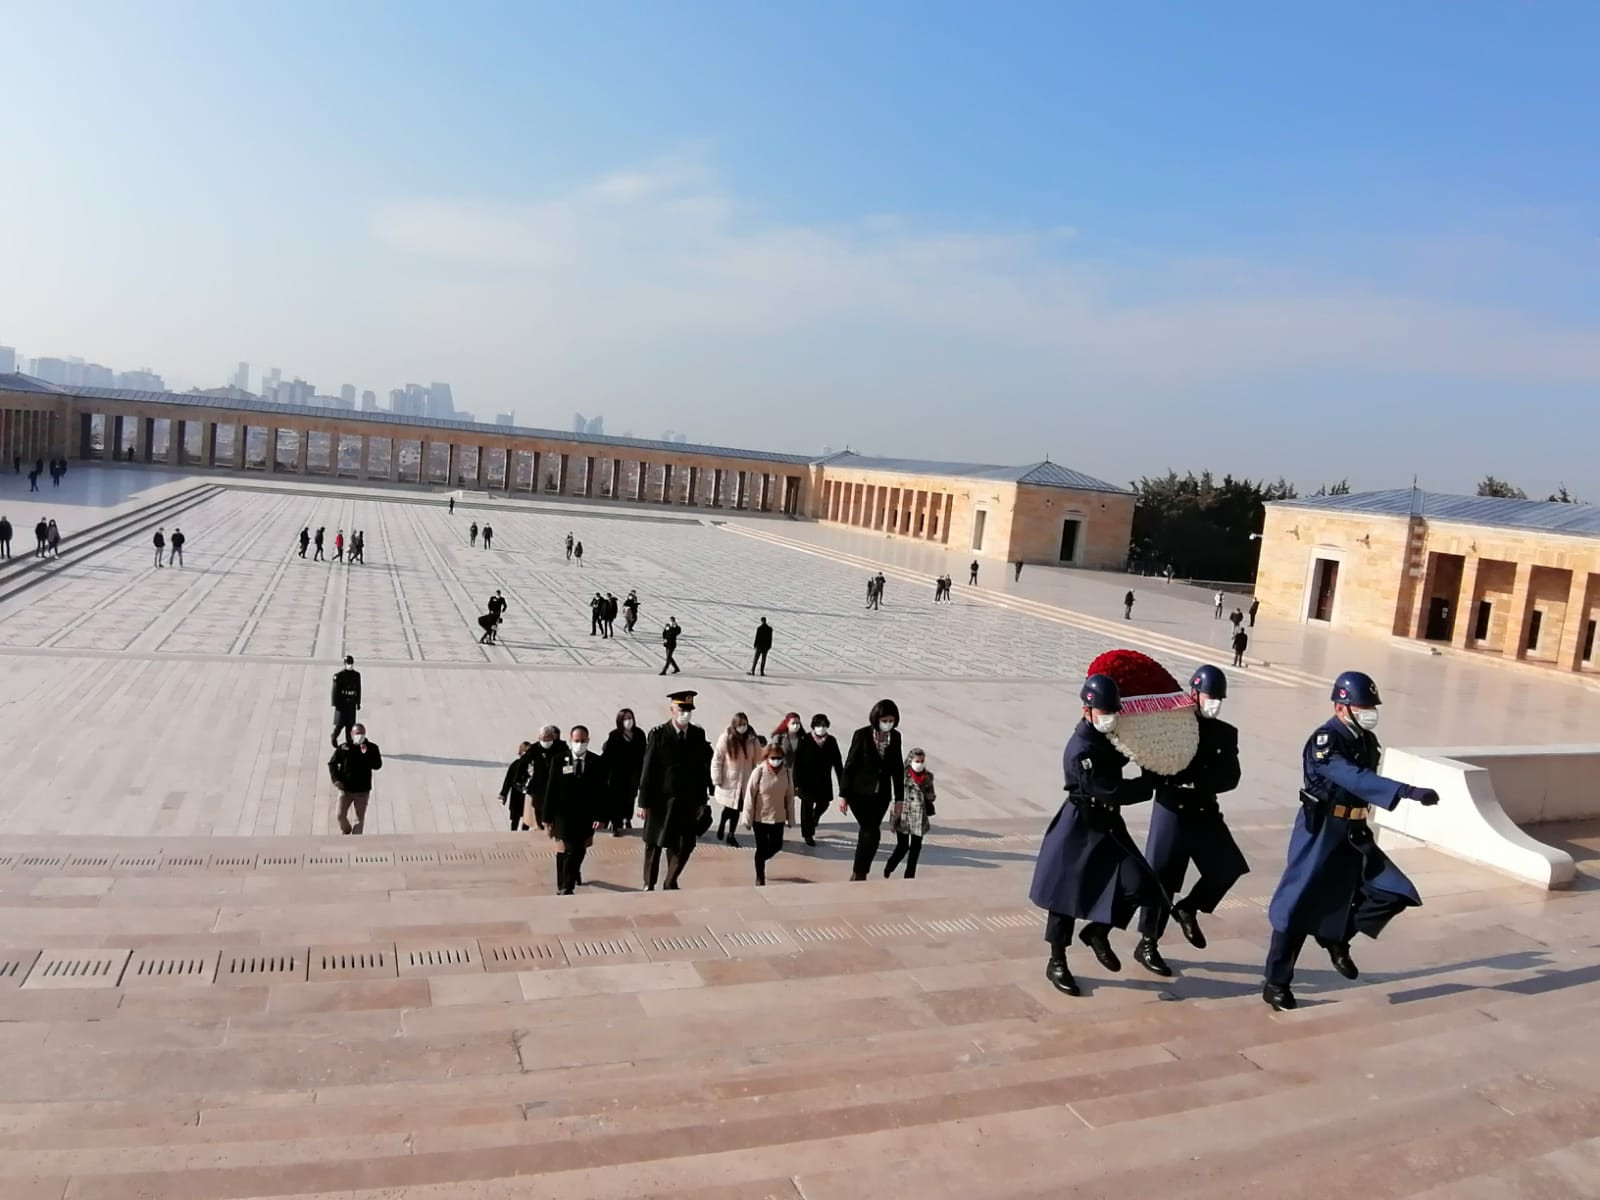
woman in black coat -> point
(874, 778)
(624, 759)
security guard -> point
(1088, 866)
(1186, 825)
(346, 700)
(1337, 882)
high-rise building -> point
(440, 403)
(270, 381)
(142, 380)
(597, 425)
(369, 401)
(8, 360)
(297, 392)
(347, 393)
(410, 401)
(51, 370)
(506, 418)
(241, 377)
(580, 423)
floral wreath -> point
(1158, 727)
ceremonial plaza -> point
(208, 993)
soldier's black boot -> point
(1339, 955)
(1094, 937)
(1060, 978)
(1148, 955)
(1278, 996)
(1189, 923)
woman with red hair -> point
(787, 735)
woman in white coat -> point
(737, 753)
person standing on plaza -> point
(317, 541)
(346, 699)
(472, 533)
(177, 546)
(1127, 606)
(33, 481)
(816, 763)
(669, 639)
(1236, 618)
(577, 552)
(1219, 598)
(881, 583)
(52, 539)
(159, 542)
(513, 788)
(1337, 882)
(768, 796)
(490, 624)
(452, 506)
(488, 535)
(874, 777)
(972, 577)
(1088, 867)
(305, 540)
(351, 769)
(597, 609)
(1186, 825)
(789, 733)
(909, 819)
(5, 537)
(872, 590)
(1255, 607)
(338, 547)
(569, 547)
(763, 646)
(624, 752)
(1018, 566)
(358, 550)
(674, 791)
(630, 609)
(1241, 643)
(611, 615)
(41, 535)
(574, 807)
(543, 756)
(736, 753)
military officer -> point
(1337, 882)
(1186, 825)
(1088, 866)
(675, 791)
(346, 700)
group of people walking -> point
(1337, 882)
(356, 546)
(672, 777)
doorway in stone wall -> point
(1324, 583)
(978, 520)
(1070, 528)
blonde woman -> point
(737, 753)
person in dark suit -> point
(346, 699)
(874, 778)
(574, 807)
(624, 753)
(513, 788)
(597, 614)
(763, 646)
(1337, 882)
(542, 759)
(669, 639)
(612, 608)
(973, 575)
(1186, 825)
(1088, 867)
(674, 792)
(817, 762)
(5, 537)
(1241, 643)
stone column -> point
(944, 521)
(364, 459)
(616, 479)
(302, 449)
(666, 483)
(146, 435)
(177, 437)
(1521, 610)
(1570, 652)
(113, 438)
(394, 460)
(241, 438)
(208, 444)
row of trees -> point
(1201, 527)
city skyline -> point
(1259, 241)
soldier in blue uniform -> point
(1186, 825)
(1089, 867)
(1337, 882)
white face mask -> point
(1105, 722)
(580, 748)
(886, 726)
(1210, 706)
(627, 722)
(741, 727)
(544, 745)
(916, 765)
(681, 720)
(794, 726)
(820, 731)
(358, 738)
(774, 763)
(1367, 718)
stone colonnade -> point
(921, 513)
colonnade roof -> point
(235, 401)
(1495, 512)
(1039, 474)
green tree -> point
(1342, 488)
(1200, 525)
(1490, 486)
(1562, 496)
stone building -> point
(1042, 513)
(1517, 579)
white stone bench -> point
(1489, 796)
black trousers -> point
(1368, 914)
(869, 816)
(5, 547)
(908, 847)
(1215, 857)
(516, 801)
(811, 810)
(769, 840)
(343, 719)
(1058, 932)
(678, 848)
(569, 866)
(727, 823)
(671, 662)
(760, 660)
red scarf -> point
(917, 777)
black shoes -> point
(811, 841)
(733, 842)
(1339, 955)
(1148, 955)
(1280, 998)
(1095, 939)
(1060, 978)
(1190, 925)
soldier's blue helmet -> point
(1209, 681)
(1356, 689)
(1101, 691)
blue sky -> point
(1257, 238)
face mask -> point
(1105, 722)
(358, 738)
(580, 748)
(680, 719)
(627, 722)
(794, 726)
(886, 726)
(916, 765)
(1367, 718)
(544, 745)
(774, 763)
(741, 728)
(819, 731)
(1210, 707)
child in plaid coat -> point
(909, 820)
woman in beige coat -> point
(737, 751)
(769, 807)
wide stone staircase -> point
(401, 1018)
